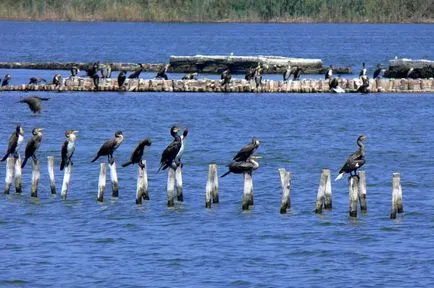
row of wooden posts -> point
(356, 186)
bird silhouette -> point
(34, 103)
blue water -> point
(82, 243)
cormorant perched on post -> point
(6, 80)
(68, 148)
(239, 167)
(297, 72)
(171, 152)
(33, 145)
(15, 142)
(34, 103)
(250, 73)
(106, 71)
(121, 78)
(74, 71)
(247, 150)
(161, 73)
(37, 81)
(364, 88)
(363, 72)
(378, 72)
(136, 156)
(57, 79)
(287, 73)
(136, 73)
(190, 76)
(109, 147)
(355, 161)
(329, 73)
(226, 76)
(258, 75)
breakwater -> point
(236, 85)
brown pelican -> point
(355, 161)
(109, 147)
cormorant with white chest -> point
(173, 151)
(15, 142)
(355, 161)
(109, 147)
(68, 148)
(33, 145)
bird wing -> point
(34, 104)
(170, 152)
(65, 150)
(13, 143)
(245, 153)
(30, 148)
(107, 147)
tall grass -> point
(221, 10)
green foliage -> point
(221, 10)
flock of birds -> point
(243, 162)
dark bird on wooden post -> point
(161, 73)
(136, 73)
(33, 146)
(190, 76)
(34, 103)
(247, 150)
(137, 155)
(37, 81)
(239, 167)
(355, 161)
(171, 152)
(109, 147)
(121, 78)
(68, 148)
(15, 142)
(6, 80)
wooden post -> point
(353, 187)
(145, 181)
(397, 206)
(51, 173)
(320, 196)
(35, 178)
(66, 179)
(248, 191)
(114, 178)
(362, 191)
(328, 191)
(18, 173)
(285, 183)
(178, 176)
(170, 187)
(211, 190)
(101, 182)
(140, 188)
(9, 174)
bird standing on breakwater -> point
(15, 142)
(68, 148)
(329, 73)
(226, 76)
(37, 81)
(137, 155)
(6, 80)
(297, 73)
(33, 146)
(57, 80)
(161, 74)
(287, 72)
(34, 103)
(136, 73)
(121, 78)
(109, 147)
(355, 161)
(363, 72)
(377, 72)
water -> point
(81, 243)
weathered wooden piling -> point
(145, 181)
(114, 179)
(397, 206)
(142, 183)
(66, 179)
(35, 178)
(248, 191)
(18, 173)
(178, 178)
(353, 187)
(51, 174)
(362, 191)
(101, 182)
(285, 183)
(320, 196)
(9, 174)
(211, 189)
(170, 187)
(328, 191)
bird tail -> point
(225, 174)
(127, 163)
(340, 176)
(24, 162)
(5, 157)
(94, 159)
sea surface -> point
(50, 242)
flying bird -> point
(34, 103)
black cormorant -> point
(161, 73)
(247, 150)
(363, 72)
(250, 73)
(57, 79)
(121, 78)
(377, 72)
(15, 142)
(37, 81)
(364, 88)
(136, 73)
(92, 72)
(297, 72)
(33, 145)
(226, 76)
(169, 154)
(34, 103)
(355, 161)
(287, 73)
(68, 148)
(334, 83)
(109, 147)
(258, 75)
(6, 80)
(190, 76)
(239, 167)
(136, 156)
(329, 73)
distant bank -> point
(262, 11)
